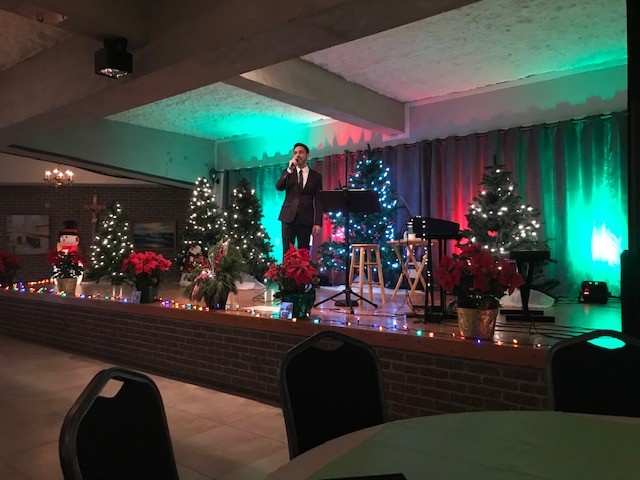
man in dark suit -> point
(301, 212)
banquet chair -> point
(124, 436)
(331, 385)
(587, 378)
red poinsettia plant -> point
(476, 278)
(9, 265)
(144, 269)
(296, 273)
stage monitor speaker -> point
(594, 292)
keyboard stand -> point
(435, 313)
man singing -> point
(301, 212)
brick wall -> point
(139, 203)
(419, 384)
(240, 354)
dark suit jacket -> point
(305, 202)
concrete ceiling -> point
(225, 69)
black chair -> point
(327, 393)
(120, 437)
(586, 378)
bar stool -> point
(368, 255)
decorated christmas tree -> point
(370, 174)
(206, 224)
(499, 219)
(247, 234)
(111, 245)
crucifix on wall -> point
(94, 208)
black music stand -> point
(526, 260)
(348, 201)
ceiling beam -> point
(300, 83)
(139, 21)
(58, 87)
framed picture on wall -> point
(28, 234)
(154, 235)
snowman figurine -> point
(192, 258)
(70, 241)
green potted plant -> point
(67, 267)
(144, 271)
(297, 278)
(9, 265)
(478, 280)
(215, 277)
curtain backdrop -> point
(574, 172)
(335, 174)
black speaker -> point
(594, 292)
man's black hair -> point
(301, 145)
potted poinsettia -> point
(296, 278)
(67, 267)
(9, 265)
(478, 280)
(144, 271)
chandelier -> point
(58, 178)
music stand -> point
(526, 260)
(348, 201)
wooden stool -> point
(368, 255)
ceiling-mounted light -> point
(113, 60)
(58, 178)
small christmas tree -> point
(244, 217)
(499, 219)
(206, 224)
(111, 245)
(378, 228)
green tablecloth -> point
(497, 445)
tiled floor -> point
(215, 435)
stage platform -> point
(404, 314)
(427, 367)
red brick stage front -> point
(427, 367)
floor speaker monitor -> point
(594, 292)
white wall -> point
(549, 99)
(24, 170)
(135, 151)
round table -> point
(481, 445)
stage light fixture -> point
(594, 292)
(113, 60)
